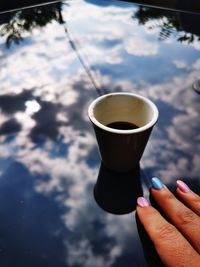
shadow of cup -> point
(117, 192)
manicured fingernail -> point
(156, 183)
(142, 202)
(182, 186)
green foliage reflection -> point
(179, 25)
(14, 25)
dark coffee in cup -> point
(122, 125)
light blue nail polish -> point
(156, 183)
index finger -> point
(172, 247)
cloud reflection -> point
(138, 47)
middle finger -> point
(182, 217)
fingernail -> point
(182, 186)
(142, 202)
(156, 183)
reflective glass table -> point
(59, 206)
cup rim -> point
(117, 131)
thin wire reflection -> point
(99, 89)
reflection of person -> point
(178, 242)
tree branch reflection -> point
(16, 24)
(181, 25)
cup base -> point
(121, 170)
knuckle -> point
(166, 232)
(196, 204)
(169, 197)
(186, 217)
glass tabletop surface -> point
(59, 206)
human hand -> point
(178, 242)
